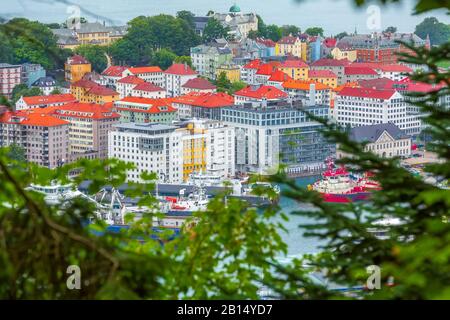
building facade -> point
(144, 110)
(10, 76)
(176, 76)
(207, 58)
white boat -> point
(55, 194)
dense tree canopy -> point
(95, 54)
(22, 90)
(287, 30)
(439, 32)
(215, 30)
(163, 58)
(314, 31)
(390, 29)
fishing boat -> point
(340, 186)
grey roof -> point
(44, 82)
(371, 133)
(152, 128)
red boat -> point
(338, 185)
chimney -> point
(312, 94)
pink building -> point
(9, 78)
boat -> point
(55, 194)
(337, 185)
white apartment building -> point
(362, 106)
(151, 147)
(176, 76)
(152, 74)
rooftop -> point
(50, 99)
(114, 71)
(371, 133)
(131, 80)
(180, 69)
(262, 92)
(148, 69)
(325, 62)
(304, 85)
(206, 100)
(367, 93)
(199, 83)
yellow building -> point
(326, 77)
(87, 91)
(194, 150)
(289, 46)
(296, 69)
(75, 68)
(304, 51)
(232, 72)
(88, 33)
(344, 53)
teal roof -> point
(234, 8)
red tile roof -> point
(294, 63)
(199, 83)
(322, 74)
(180, 69)
(372, 65)
(32, 119)
(268, 92)
(279, 76)
(131, 80)
(329, 42)
(94, 88)
(254, 64)
(394, 68)
(304, 85)
(85, 110)
(359, 70)
(367, 93)
(153, 105)
(50, 99)
(114, 71)
(266, 42)
(378, 83)
(265, 69)
(325, 62)
(77, 59)
(148, 69)
(148, 87)
(288, 40)
(206, 100)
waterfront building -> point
(10, 76)
(176, 76)
(87, 91)
(364, 106)
(36, 102)
(44, 138)
(385, 140)
(202, 105)
(75, 68)
(207, 58)
(277, 133)
(198, 85)
(143, 110)
(151, 147)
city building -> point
(308, 92)
(202, 105)
(207, 58)
(258, 95)
(36, 102)
(289, 45)
(268, 47)
(277, 78)
(142, 110)
(148, 90)
(296, 69)
(44, 138)
(198, 85)
(344, 51)
(396, 72)
(279, 133)
(176, 76)
(113, 74)
(46, 84)
(240, 24)
(89, 127)
(364, 106)
(87, 91)
(248, 71)
(232, 72)
(10, 76)
(385, 140)
(325, 77)
(152, 74)
(75, 68)
(264, 72)
(354, 73)
(333, 65)
(151, 147)
(208, 146)
(88, 33)
(126, 85)
(31, 73)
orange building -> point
(75, 68)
